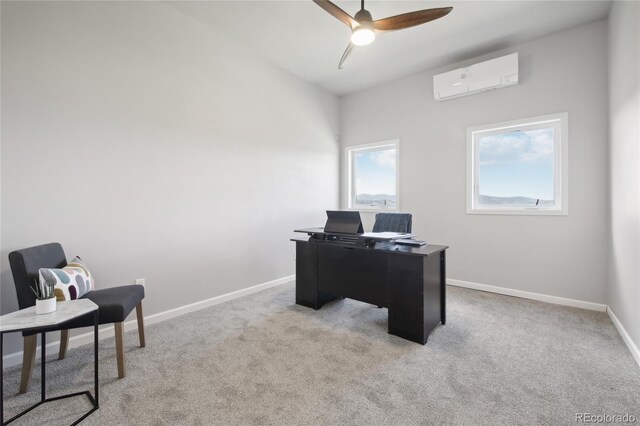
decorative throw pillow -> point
(79, 263)
(71, 282)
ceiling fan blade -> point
(338, 13)
(411, 19)
(345, 54)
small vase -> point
(45, 306)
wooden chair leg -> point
(28, 360)
(64, 343)
(140, 324)
(120, 348)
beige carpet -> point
(262, 359)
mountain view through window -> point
(374, 173)
(516, 168)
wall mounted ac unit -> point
(493, 74)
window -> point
(519, 167)
(372, 176)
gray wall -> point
(624, 158)
(154, 147)
(563, 256)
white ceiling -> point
(304, 39)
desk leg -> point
(43, 363)
(443, 288)
(307, 293)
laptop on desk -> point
(343, 222)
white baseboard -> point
(528, 295)
(558, 301)
(108, 331)
(625, 336)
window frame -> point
(348, 164)
(560, 167)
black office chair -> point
(393, 222)
(114, 304)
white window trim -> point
(561, 166)
(348, 173)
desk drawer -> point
(353, 273)
(414, 307)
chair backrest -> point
(393, 222)
(25, 266)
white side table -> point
(27, 320)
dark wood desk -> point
(409, 281)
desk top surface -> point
(426, 250)
(26, 319)
(379, 236)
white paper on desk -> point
(385, 235)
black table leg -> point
(93, 398)
(443, 288)
(95, 357)
(43, 397)
(43, 363)
(1, 381)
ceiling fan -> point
(364, 28)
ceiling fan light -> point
(362, 36)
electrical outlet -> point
(140, 281)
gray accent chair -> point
(114, 304)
